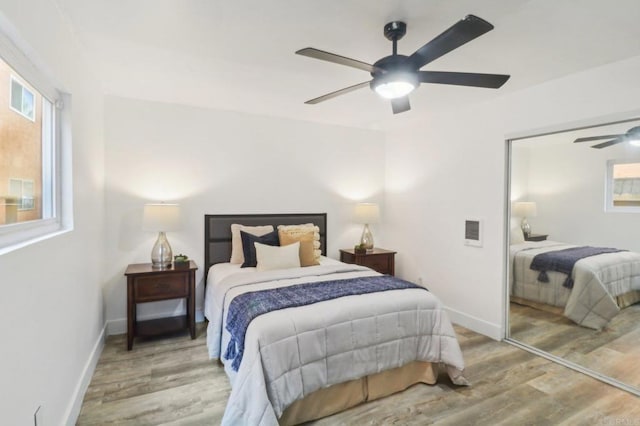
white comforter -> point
(597, 280)
(292, 352)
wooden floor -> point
(613, 351)
(172, 382)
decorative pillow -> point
(249, 249)
(294, 230)
(307, 255)
(237, 255)
(281, 257)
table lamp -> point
(367, 213)
(161, 217)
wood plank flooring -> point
(171, 381)
(613, 351)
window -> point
(21, 193)
(623, 186)
(30, 151)
(22, 100)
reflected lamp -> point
(525, 209)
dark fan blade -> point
(337, 93)
(609, 143)
(399, 105)
(460, 33)
(336, 59)
(492, 81)
(595, 138)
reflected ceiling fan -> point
(395, 76)
(632, 136)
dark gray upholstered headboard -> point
(217, 231)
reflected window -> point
(623, 186)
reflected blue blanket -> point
(564, 260)
(245, 307)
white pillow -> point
(277, 257)
(237, 255)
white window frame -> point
(609, 188)
(23, 89)
(56, 154)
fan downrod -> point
(395, 30)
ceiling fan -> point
(395, 76)
(632, 136)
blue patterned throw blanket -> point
(564, 260)
(245, 307)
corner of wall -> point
(75, 404)
(494, 331)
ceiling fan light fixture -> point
(395, 85)
(634, 142)
(394, 89)
(397, 75)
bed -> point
(306, 362)
(597, 288)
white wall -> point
(568, 184)
(213, 161)
(452, 166)
(437, 174)
(51, 309)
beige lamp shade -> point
(161, 217)
(525, 209)
(367, 213)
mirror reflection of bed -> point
(575, 291)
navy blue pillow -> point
(249, 250)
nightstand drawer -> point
(158, 287)
(379, 263)
(378, 259)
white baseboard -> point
(494, 331)
(119, 326)
(73, 410)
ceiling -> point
(239, 55)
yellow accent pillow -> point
(306, 239)
(303, 229)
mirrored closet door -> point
(574, 250)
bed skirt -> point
(339, 397)
(628, 299)
(623, 301)
(537, 305)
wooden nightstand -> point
(536, 237)
(380, 260)
(145, 284)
